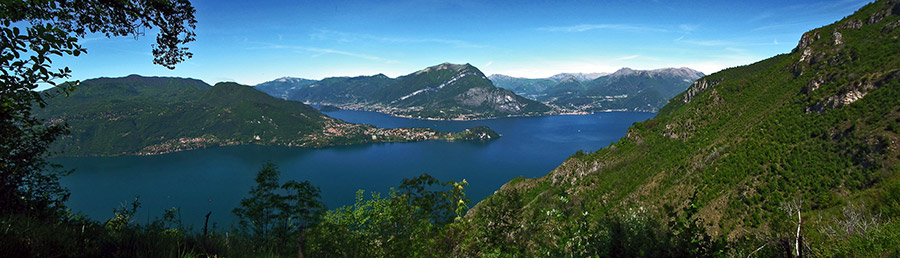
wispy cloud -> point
(588, 27)
(628, 57)
(688, 28)
(736, 50)
(323, 51)
(800, 14)
(761, 16)
(706, 43)
(838, 5)
(347, 37)
(782, 25)
(729, 45)
(489, 63)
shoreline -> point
(380, 135)
(382, 110)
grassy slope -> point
(753, 143)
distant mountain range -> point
(577, 76)
(138, 115)
(626, 89)
(452, 91)
(445, 91)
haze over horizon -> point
(254, 42)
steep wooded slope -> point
(743, 149)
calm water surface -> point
(216, 179)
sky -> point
(251, 42)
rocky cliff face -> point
(827, 47)
(499, 100)
(696, 88)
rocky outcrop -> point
(834, 54)
(573, 170)
(498, 99)
(806, 40)
(838, 38)
(851, 24)
(813, 85)
(698, 87)
(890, 27)
(852, 92)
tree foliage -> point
(33, 33)
(409, 222)
(275, 213)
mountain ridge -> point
(137, 115)
(443, 91)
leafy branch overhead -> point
(173, 18)
(33, 33)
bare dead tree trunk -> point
(300, 243)
(790, 208)
(757, 250)
(206, 224)
(799, 221)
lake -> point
(216, 179)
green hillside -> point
(735, 157)
(138, 115)
(445, 91)
(358, 89)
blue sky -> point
(255, 41)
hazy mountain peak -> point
(623, 72)
(494, 77)
(568, 79)
(578, 76)
(679, 72)
(445, 66)
(288, 79)
(683, 72)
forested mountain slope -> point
(738, 155)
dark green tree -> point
(406, 223)
(35, 31)
(275, 213)
(441, 202)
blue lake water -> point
(216, 179)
